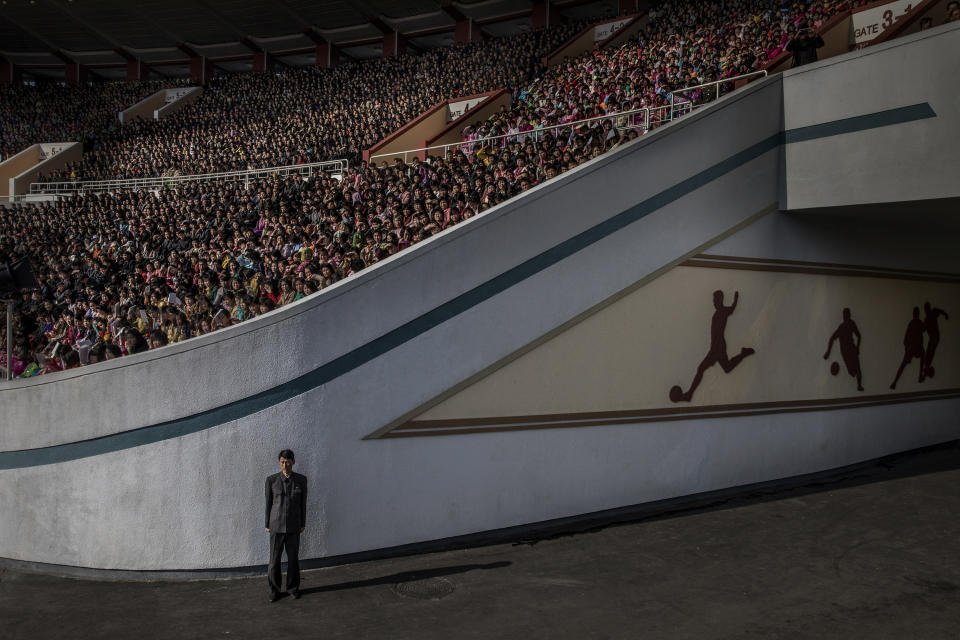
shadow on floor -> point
(934, 459)
(407, 576)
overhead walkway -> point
(665, 320)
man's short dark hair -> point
(286, 453)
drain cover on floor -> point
(428, 589)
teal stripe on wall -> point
(379, 346)
(861, 123)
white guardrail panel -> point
(336, 167)
(641, 119)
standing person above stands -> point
(804, 46)
(953, 12)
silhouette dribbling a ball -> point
(849, 348)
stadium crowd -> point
(685, 44)
(296, 116)
(126, 271)
(47, 112)
(131, 270)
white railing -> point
(633, 119)
(642, 119)
(336, 167)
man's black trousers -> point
(280, 542)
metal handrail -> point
(717, 83)
(524, 135)
(68, 187)
(673, 111)
(622, 120)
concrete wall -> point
(908, 24)
(17, 164)
(434, 126)
(49, 157)
(871, 20)
(177, 99)
(368, 492)
(580, 43)
(409, 136)
(161, 104)
(908, 160)
(156, 461)
(453, 132)
(601, 34)
(143, 109)
(630, 30)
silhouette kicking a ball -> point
(718, 348)
(912, 346)
(849, 350)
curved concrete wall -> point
(156, 461)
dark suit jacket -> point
(286, 503)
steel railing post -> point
(10, 340)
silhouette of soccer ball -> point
(676, 393)
(834, 368)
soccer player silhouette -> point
(849, 350)
(718, 348)
(912, 346)
(932, 328)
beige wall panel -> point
(411, 136)
(17, 164)
(572, 48)
(144, 109)
(628, 355)
(453, 132)
(626, 33)
(62, 153)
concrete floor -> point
(871, 553)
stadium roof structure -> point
(41, 36)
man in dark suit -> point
(804, 46)
(286, 517)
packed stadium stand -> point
(686, 105)
(235, 251)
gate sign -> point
(603, 31)
(870, 23)
(457, 109)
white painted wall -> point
(196, 501)
(911, 161)
(53, 156)
(177, 99)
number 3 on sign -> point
(887, 18)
